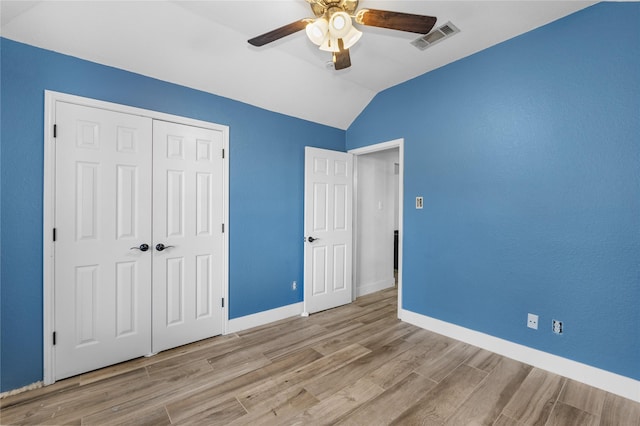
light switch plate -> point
(419, 202)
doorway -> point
(378, 195)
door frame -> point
(48, 220)
(369, 149)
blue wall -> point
(266, 189)
(528, 158)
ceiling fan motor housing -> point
(326, 9)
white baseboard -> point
(592, 376)
(265, 317)
(365, 289)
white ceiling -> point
(203, 45)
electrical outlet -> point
(556, 326)
(294, 285)
(532, 321)
(419, 202)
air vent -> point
(435, 36)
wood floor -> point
(354, 365)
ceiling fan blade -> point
(279, 33)
(341, 59)
(409, 22)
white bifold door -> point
(139, 248)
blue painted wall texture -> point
(266, 189)
(527, 154)
(528, 158)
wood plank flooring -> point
(353, 365)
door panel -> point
(328, 221)
(126, 308)
(102, 286)
(203, 289)
(188, 216)
(126, 205)
(339, 267)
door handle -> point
(161, 247)
(311, 239)
(142, 247)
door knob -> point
(142, 247)
(161, 247)
(311, 239)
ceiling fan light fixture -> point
(352, 37)
(330, 44)
(340, 24)
(317, 31)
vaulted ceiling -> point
(203, 45)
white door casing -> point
(103, 202)
(384, 146)
(114, 205)
(328, 229)
(187, 218)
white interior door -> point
(188, 215)
(328, 229)
(102, 203)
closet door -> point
(102, 221)
(188, 239)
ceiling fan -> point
(333, 31)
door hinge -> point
(222, 152)
(223, 228)
(55, 130)
(223, 302)
(54, 234)
(54, 337)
